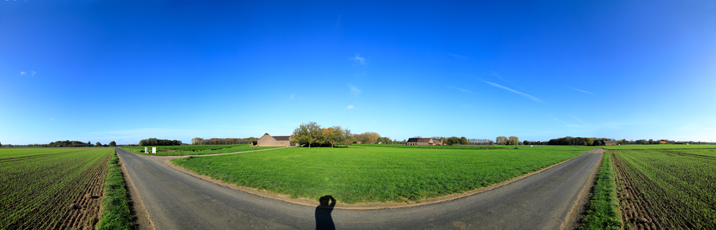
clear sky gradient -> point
(128, 70)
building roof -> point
(282, 138)
(416, 139)
(425, 140)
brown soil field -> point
(77, 205)
(641, 211)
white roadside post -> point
(154, 150)
(146, 151)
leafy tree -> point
(89, 143)
(513, 140)
(113, 144)
(463, 141)
(196, 140)
(307, 133)
(501, 140)
(98, 144)
(589, 142)
(452, 141)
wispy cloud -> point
(458, 56)
(52, 119)
(350, 107)
(515, 91)
(358, 59)
(23, 73)
(463, 90)
(292, 96)
(579, 90)
(354, 90)
(579, 120)
(33, 73)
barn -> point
(424, 141)
(268, 140)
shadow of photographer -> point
(323, 213)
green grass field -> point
(192, 149)
(38, 185)
(475, 147)
(603, 207)
(669, 187)
(662, 146)
(375, 174)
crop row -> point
(55, 188)
(663, 190)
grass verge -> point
(116, 213)
(602, 210)
(381, 174)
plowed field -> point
(51, 188)
(666, 188)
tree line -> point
(586, 141)
(68, 143)
(222, 141)
(503, 140)
(158, 142)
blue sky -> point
(125, 71)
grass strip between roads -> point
(602, 210)
(116, 213)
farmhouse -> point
(608, 143)
(268, 140)
(424, 141)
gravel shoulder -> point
(175, 200)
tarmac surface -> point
(177, 200)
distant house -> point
(662, 142)
(268, 140)
(610, 143)
(378, 143)
(424, 141)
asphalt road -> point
(176, 200)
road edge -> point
(143, 221)
(575, 215)
(361, 206)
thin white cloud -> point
(579, 120)
(498, 76)
(291, 97)
(493, 73)
(350, 107)
(358, 59)
(33, 73)
(566, 123)
(23, 73)
(354, 91)
(52, 119)
(463, 90)
(515, 91)
(579, 90)
(458, 56)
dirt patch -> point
(143, 221)
(579, 209)
(360, 206)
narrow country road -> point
(176, 200)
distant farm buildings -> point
(610, 143)
(268, 140)
(424, 141)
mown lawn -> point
(356, 175)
